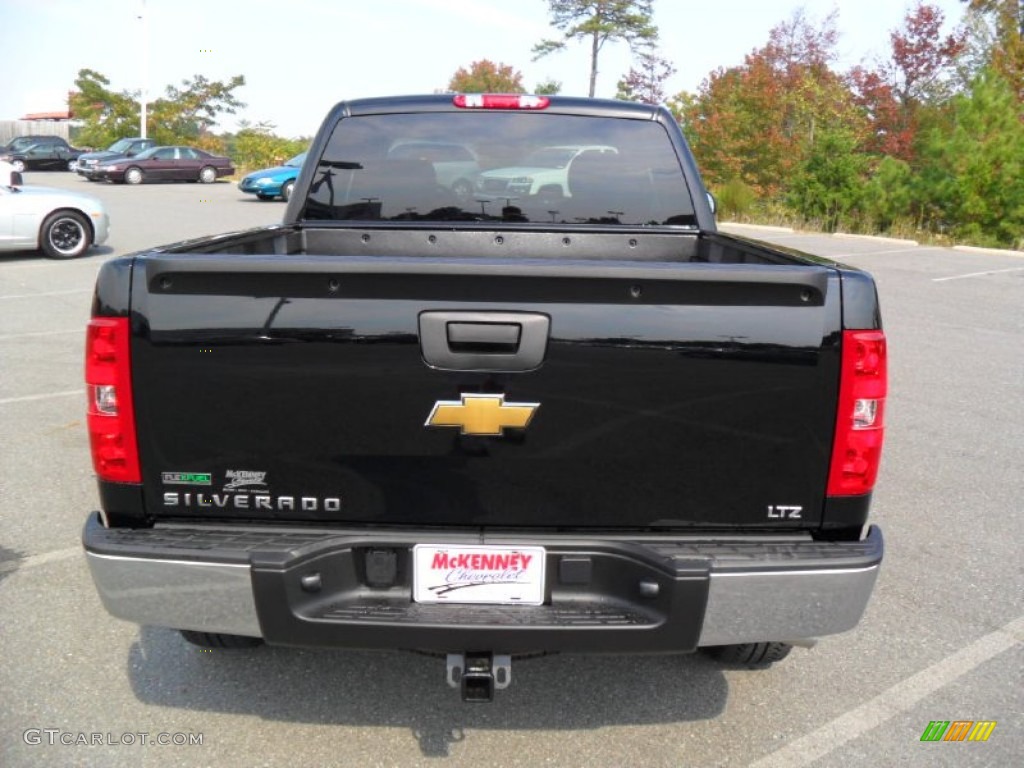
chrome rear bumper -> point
(790, 592)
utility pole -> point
(145, 69)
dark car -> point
(128, 147)
(166, 164)
(40, 153)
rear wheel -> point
(133, 175)
(208, 174)
(18, 165)
(219, 640)
(65, 235)
(753, 654)
(286, 190)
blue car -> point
(273, 182)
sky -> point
(300, 57)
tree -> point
(829, 183)
(599, 21)
(1005, 49)
(757, 122)
(485, 76)
(106, 116)
(548, 87)
(919, 72)
(257, 146)
(971, 178)
(184, 115)
(646, 83)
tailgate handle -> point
(484, 341)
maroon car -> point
(167, 164)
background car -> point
(40, 153)
(167, 164)
(544, 169)
(61, 223)
(455, 165)
(128, 147)
(273, 182)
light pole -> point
(145, 69)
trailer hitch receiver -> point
(479, 674)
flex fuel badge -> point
(186, 478)
(242, 489)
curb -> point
(998, 251)
(784, 230)
(874, 238)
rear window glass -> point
(513, 167)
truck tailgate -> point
(666, 396)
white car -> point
(60, 223)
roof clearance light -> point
(500, 101)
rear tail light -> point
(111, 415)
(500, 101)
(860, 421)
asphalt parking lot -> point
(943, 638)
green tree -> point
(597, 22)
(889, 195)
(548, 87)
(971, 178)
(828, 185)
(187, 114)
(485, 76)
(257, 146)
(106, 115)
(184, 115)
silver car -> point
(62, 224)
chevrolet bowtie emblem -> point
(481, 414)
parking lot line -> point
(977, 274)
(894, 701)
(48, 293)
(49, 396)
(30, 334)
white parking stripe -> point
(977, 274)
(49, 293)
(50, 396)
(896, 700)
(31, 334)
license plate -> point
(482, 575)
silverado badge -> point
(481, 414)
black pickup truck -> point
(552, 409)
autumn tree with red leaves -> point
(755, 124)
(486, 76)
(646, 82)
(918, 72)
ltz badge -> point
(481, 414)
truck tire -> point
(753, 654)
(219, 640)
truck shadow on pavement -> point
(395, 689)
